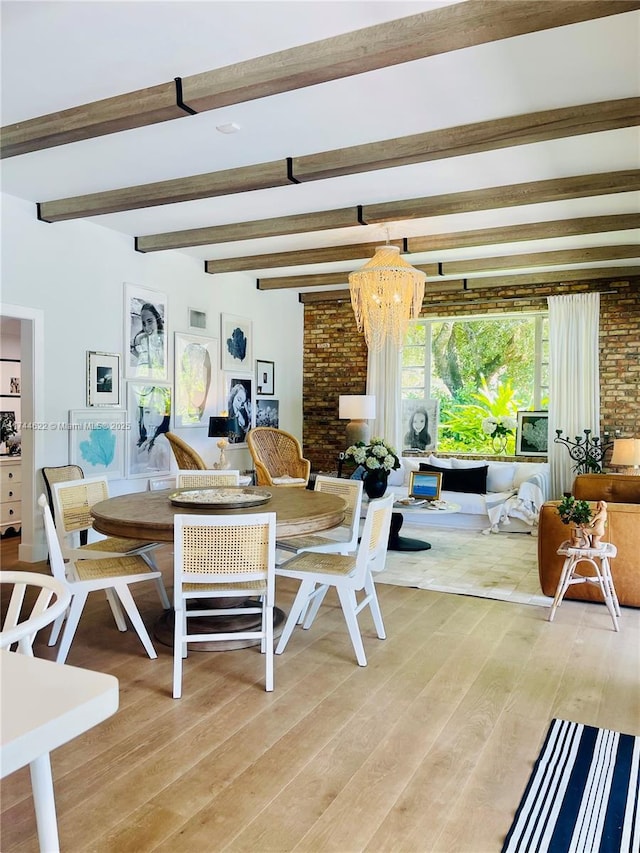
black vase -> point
(375, 483)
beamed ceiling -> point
(495, 141)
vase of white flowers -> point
(377, 458)
(498, 429)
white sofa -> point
(515, 494)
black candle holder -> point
(587, 453)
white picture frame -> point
(97, 441)
(420, 442)
(103, 379)
(195, 365)
(149, 453)
(145, 333)
(236, 343)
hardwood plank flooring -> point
(428, 748)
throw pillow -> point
(470, 480)
(500, 476)
(443, 463)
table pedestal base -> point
(163, 629)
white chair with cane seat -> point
(223, 557)
(43, 612)
(189, 479)
(348, 574)
(111, 574)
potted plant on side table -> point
(578, 514)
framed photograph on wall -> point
(97, 441)
(420, 424)
(148, 451)
(240, 408)
(267, 413)
(265, 378)
(236, 343)
(103, 378)
(532, 435)
(10, 381)
(195, 365)
(145, 333)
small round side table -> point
(599, 559)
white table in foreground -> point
(598, 558)
(428, 506)
(44, 705)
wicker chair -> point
(277, 457)
(186, 457)
(190, 479)
(62, 474)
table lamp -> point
(626, 454)
(221, 427)
(357, 409)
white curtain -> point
(574, 380)
(383, 380)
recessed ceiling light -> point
(231, 127)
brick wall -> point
(335, 354)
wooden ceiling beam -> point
(489, 198)
(421, 147)
(469, 139)
(493, 198)
(391, 43)
(527, 231)
(327, 254)
(214, 184)
(542, 259)
(321, 279)
(298, 223)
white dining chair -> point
(19, 629)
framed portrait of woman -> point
(240, 408)
(420, 424)
(195, 365)
(145, 333)
(148, 451)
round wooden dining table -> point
(149, 515)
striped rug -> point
(582, 795)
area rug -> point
(502, 566)
(582, 795)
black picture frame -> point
(532, 434)
(265, 378)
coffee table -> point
(405, 543)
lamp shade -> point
(359, 407)
(218, 427)
(626, 452)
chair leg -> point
(124, 594)
(57, 627)
(349, 603)
(178, 634)
(268, 612)
(314, 606)
(299, 603)
(162, 592)
(114, 604)
(75, 611)
(376, 613)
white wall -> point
(74, 272)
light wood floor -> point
(428, 748)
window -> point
(476, 367)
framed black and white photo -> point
(103, 378)
(420, 424)
(267, 413)
(97, 441)
(145, 333)
(265, 378)
(532, 435)
(10, 377)
(236, 343)
(239, 407)
(195, 365)
(8, 427)
(148, 451)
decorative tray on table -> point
(219, 497)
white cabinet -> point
(10, 493)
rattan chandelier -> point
(386, 293)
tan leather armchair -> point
(622, 494)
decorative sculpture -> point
(588, 454)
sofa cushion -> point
(526, 470)
(472, 480)
(443, 463)
(499, 477)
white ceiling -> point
(57, 55)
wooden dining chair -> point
(347, 574)
(223, 556)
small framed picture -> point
(197, 319)
(268, 413)
(145, 333)
(265, 379)
(195, 365)
(97, 441)
(103, 378)
(236, 343)
(532, 435)
(425, 485)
